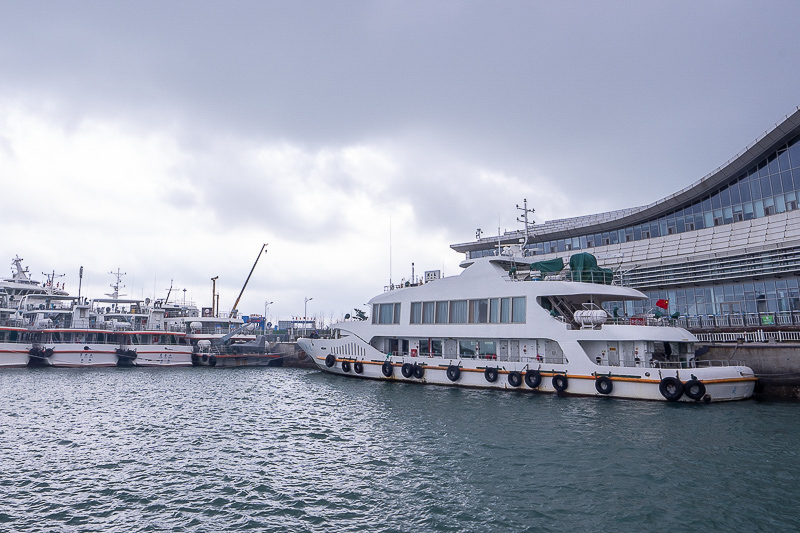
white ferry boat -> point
(499, 325)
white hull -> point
(643, 383)
(76, 356)
(14, 354)
(163, 356)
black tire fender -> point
(358, 366)
(490, 374)
(418, 371)
(604, 385)
(671, 388)
(533, 378)
(453, 373)
(407, 370)
(212, 361)
(514, 379)
(330, 360)
(387, 369)
(560, 382)
(345, 366)
(694, 389)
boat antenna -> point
(80, 282)
(390, 251)
(169, 291)
(524, 219)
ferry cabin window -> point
(494, 310)
(430, 347)
(428, 312)
(478, 311)
(475, 348)
(375, 313)
(458, 312)
(386, 313)
(518, 310)
(396, 319)
(505, 310)
(416, 313)
(441, 312)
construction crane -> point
(263, 250)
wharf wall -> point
(777, 365)
(293, 355)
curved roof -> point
(783, 132)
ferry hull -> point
(14, 355)
(681, 384)
(160, 356)
(75, 356)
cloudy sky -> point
(172, 139)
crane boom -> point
(263, 250)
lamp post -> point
(213, 293)
(266, 307)
(305, 313)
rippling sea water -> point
(271, 449)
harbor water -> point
(271, 449)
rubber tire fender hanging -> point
(533, 378)
(358, 366)
(604, 385)
(514, 379)
(330, 360)
(345, 366)
(560, 382)
(490, 374)
(418, 371)
(407, 370)
(671, 388)
(694, 389)
(387, 369)
(453, 373)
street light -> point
(305, 313)
(266, 307)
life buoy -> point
(560, 382)
(407, 370)
(514, 379)
(212, 361)
(603, 385)
(694, 389)
(345, 366)
(387, 369)
(358, 366)
(533, 378)
(418, 371)
(490, 374)
(330, 360)
(453, 373)
(671, 388)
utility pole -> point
(213, 293)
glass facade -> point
(769, 187)
(481, 311)
(771, 296)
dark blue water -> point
(267, 449)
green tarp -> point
(584, 268)
(552, 265)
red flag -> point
(663, 304)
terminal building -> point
(724, 252)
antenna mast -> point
(524, 219)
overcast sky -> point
(172, 139)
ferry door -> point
(393, 347)
(613, 354)
(627, 354)
(405, 347)
(450, 348)
(513, 350)
(502, 351)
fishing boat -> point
(509, 322)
